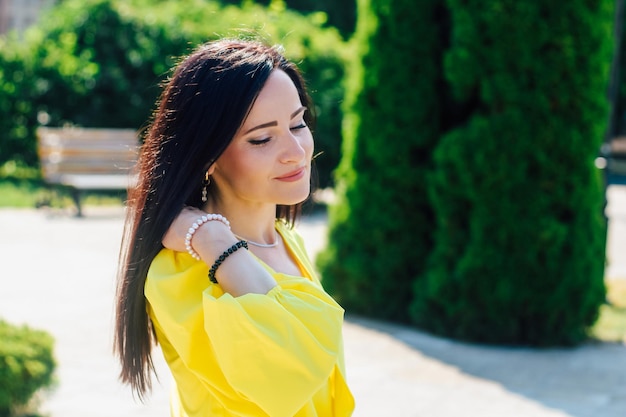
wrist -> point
(242, 244)
(211, 240)
(202, 223)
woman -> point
(210, 264)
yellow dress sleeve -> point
(274, 350)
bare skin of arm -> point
(239, 274)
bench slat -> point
(97, 182)
(87, 158)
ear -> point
(211, 169)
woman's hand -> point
(174, 239)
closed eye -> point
(258, 141)
(300, 126)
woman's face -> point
(269, 159)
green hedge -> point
(98, 63)
(26, 365)
(18, 119)
(341, 14)
(520, 238)
(380, 229)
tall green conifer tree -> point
(519, 246)
(380, 231)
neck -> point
(254, 223)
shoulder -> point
(296, 244)
(289, 233)
(292, 239)
(175, 273)
(170, 263)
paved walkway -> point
(59, 276)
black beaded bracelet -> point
(223, 256)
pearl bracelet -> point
(196, 225)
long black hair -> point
(201, 108)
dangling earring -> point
(205, 186)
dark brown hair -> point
(201, 108)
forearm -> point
(240, 273)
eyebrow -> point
(275, 123)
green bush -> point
(341, 14)
(26, 365)
(19, 117)
(106, 65)
(98, 63)
(520, 239)
(380, 229)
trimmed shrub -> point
(26, 365)
(380, 228)
(520, 239)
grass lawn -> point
(20, 186)
(24, 188)
(611, 325)
(20, 192)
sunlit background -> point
(470, 213)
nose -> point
(295, 149)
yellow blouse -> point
(278, 354)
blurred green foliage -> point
(26, 365)
(16, 103)
(520, 234)
(99, 63)
(341, 14)
(468, 199)
(381, 227)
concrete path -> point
(59, 276)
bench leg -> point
(46, 198)
(76, 196)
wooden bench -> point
(87, 159)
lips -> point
(293, 175)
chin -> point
(296, 197)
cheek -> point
(234, 166)
(308, 144)
(246, 170)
